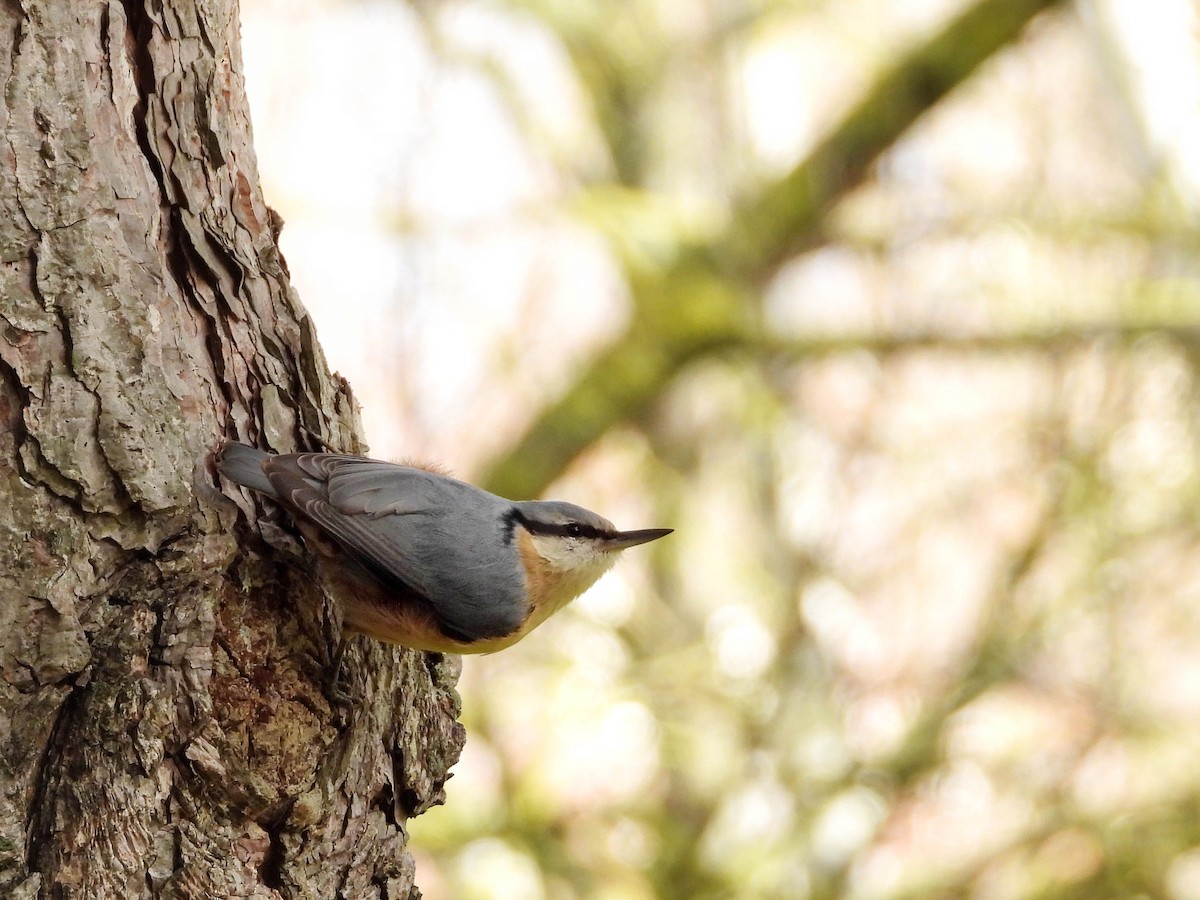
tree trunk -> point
(163, 726)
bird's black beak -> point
(624, 539)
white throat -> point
(577, 562)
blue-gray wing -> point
(415, 531)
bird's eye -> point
(574, 529)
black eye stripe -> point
(566, 529)
(570, 529)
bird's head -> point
(575, 546)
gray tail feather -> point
(243, 464)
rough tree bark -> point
(163, 730)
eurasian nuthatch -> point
(421, 559)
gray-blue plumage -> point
(243, 464)
(414, 530)
(422, 559)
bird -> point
(421, 559)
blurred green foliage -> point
(920, 403)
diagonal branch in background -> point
(699, 300)
(782, 219)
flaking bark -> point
(163, 730)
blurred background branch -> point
(891, 310)
(697, 297)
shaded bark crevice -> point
(163, 725)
